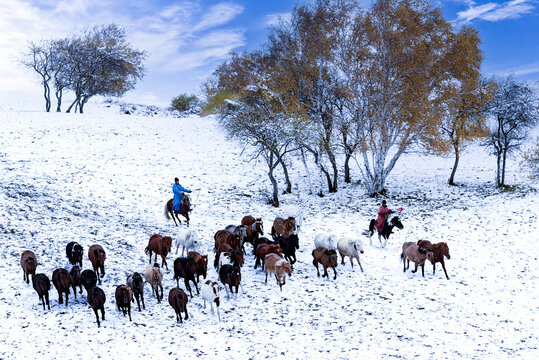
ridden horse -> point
(159, 245)
(185, 208)
(387, 229)
(283, 227)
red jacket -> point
(383, 213)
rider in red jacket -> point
(383, 213)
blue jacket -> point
(177, 190)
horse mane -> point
(441, 246)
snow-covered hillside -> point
(104, 178)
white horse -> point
(186, 238)
(327, 240)
(294, 212)
(349, 246)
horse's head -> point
(396, 222)
(259, 227)
(444, 249)
(167, 242)
(290, 224)
(186, 201)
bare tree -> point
(39, 59)
(513, 110)
(253, 122)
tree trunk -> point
(455, 165)
(333, 162)
(47, 95)
(328, 178)
(58, 94)
(498, 169)
(82, 103)
(271, 166)
(72, 104)
(287, 178)
(504, 161)
(347, 157)
(306, 170)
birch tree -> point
(403, 68)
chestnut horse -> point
(439, 250)
(159, 245)
(253, 228)
(283, 227)
(185, 208)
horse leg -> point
(443, 267)
(97, 317)
(404, 265)
(178, 217)
(196, 286)
(334, 272)
(415, 269)
(164, 262)
(315, 263)
(188, 287)
(161, 286)
(359, 262)
(342, 260)
(172, 216)
(434, 268)
(423, 270)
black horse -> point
(185, 209)
(289, 244)
(386, 230)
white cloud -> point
(495, 12)
(178, 37)
(520, 70)
(275, 19)
(218, 15)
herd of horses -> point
(276, 256)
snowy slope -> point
(104, 178)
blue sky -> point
(187, 39)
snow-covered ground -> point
(103, 178)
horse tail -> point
(147, 250)
(167, 214)
(371, 226)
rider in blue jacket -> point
(177, 189)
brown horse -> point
(283, 227)
(253, 228)
(439, 250)
(159, 245)
(185, 209)
(226, 237)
